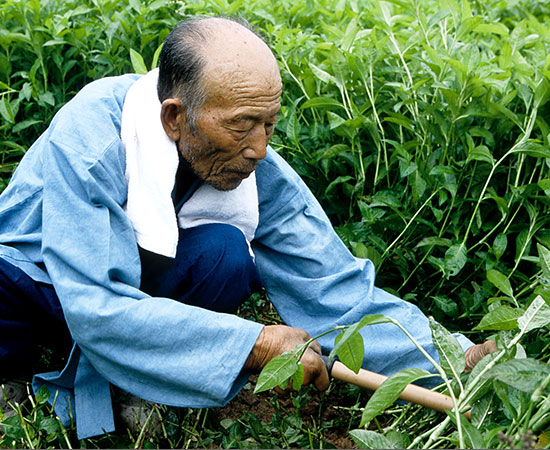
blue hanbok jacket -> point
(62, 222)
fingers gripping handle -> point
(371, 380)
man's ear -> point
(170, 116)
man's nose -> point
(257, 143)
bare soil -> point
(332, 411)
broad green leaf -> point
(521, 242)
(298, 377)
(467, 25)
(406, 168)
(398, 439)
(352, 352)
(499, 245)
(438, 17)
(20, 126)
(339, 180)
(135, 4)
(362, 251)
(502, 390)
(525, 93)
(501, 203)
(544, 184)
(500, 281)
(333, 151)
(451, 355)
(370, 214)
(447, 305)
(277, 372)
(350, 34)
(501, 318)
(53, 42)
(497, 28)
(479, 367)
(533, 148)
(322, 102)
(523, 374)
(466, 10)
(370, 319)
(370, 439)
(48, 98)
(434, 240)
(293, 125)
(138, 64)
(455, 259)
(43, 395)
(419, 186)
(78, 11)
(322, 75)
(498, 109)
(472, 436)
(482, 409)
(334, 120)
(544, 257)
(481, 153)
(399, 119)
(386, 198)
(536, 316)
(542, 92)
(156, 56)
(484, 133)
(389, 392)
(6, 110)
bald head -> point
(206, 56)
(231, 47)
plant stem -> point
(409, 223)
(481, 197)
(443, 377)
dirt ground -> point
(330, 408)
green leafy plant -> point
(521, 384)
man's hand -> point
(276, 339)
(474, 354)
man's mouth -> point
(243, 173)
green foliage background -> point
(422, 126)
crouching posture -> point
(149, 210)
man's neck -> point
(186, 184)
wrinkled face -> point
(233, 127)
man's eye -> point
(241, 131)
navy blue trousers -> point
(212, 269)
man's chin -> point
(225, 185)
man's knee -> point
(226, 274)
(213, 269)
(227, 251)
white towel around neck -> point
(151, 166)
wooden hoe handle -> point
(412, 393)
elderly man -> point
(149, 210)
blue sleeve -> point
(314, 281)
(156, 348)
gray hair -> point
(182, 61)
